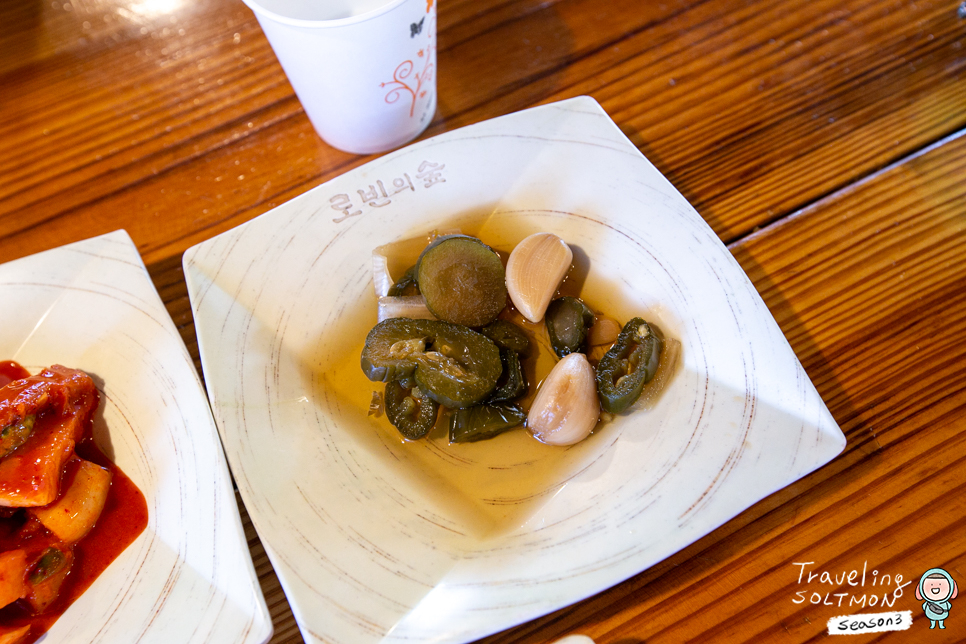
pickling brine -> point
(493, 484)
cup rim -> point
(259, 10)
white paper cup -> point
(364, 70)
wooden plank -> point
(176, 100)
(752, 110)
(869, 286)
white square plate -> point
(189, 576)
(376, 541)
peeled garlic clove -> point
(534, 271)
(604, 331)
(566, 407)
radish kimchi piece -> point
(66, 511)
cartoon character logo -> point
(936, 589)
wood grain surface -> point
(821, 141)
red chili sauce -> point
(10, 371)
(124, 517)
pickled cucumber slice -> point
(462, 280)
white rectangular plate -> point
(189, 576)
(376, 541)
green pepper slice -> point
(513, 382)
(484, 421)
(454, 365)
(16, 434)
(507, 335)
(51, 561)
(410, 410)
(458, 373)
(628, 365)
(406, 285)
(568, 320)
(392, 346)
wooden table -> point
(822, 141)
